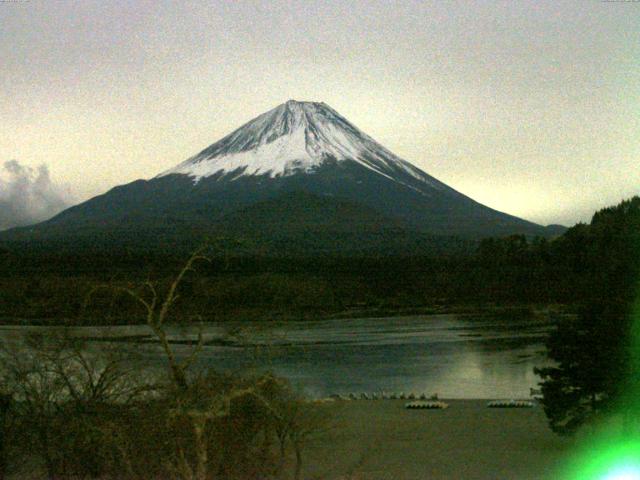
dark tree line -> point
(44, 286)
(596, 352)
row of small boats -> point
(384, 396)
(511, 404)
(422, 401)
(428, 405)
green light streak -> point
(613, 451)
(606, 460)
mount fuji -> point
(298, 174)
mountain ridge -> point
(295, 147)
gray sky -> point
(531, 107)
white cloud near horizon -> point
(28, 195)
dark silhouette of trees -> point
(591, 353)
(6, 399)
(595, 353)
(63, 398)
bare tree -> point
(157, 309)
(63, 393)
(200, 404)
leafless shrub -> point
(64, 394)
(93, 413)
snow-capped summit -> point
(292, 138)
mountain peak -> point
(297, 146)
(303, 103)
(294, 137)
(292, 101)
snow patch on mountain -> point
(292, 138)
(278, 157)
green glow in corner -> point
(631, 473)
(615, 455)
(616, 461)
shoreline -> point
(502, 310)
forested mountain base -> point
(51, 286)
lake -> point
(455, 356)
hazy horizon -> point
(527, 107)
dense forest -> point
(596, 366)
(42, 283)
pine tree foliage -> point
(593, 353)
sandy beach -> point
(380, 439)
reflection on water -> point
(453, 356)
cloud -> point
(28, 196)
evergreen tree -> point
(594, 354)
(591, 353)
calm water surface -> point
(451, 355)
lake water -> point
(451, 355)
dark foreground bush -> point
(94, 413)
